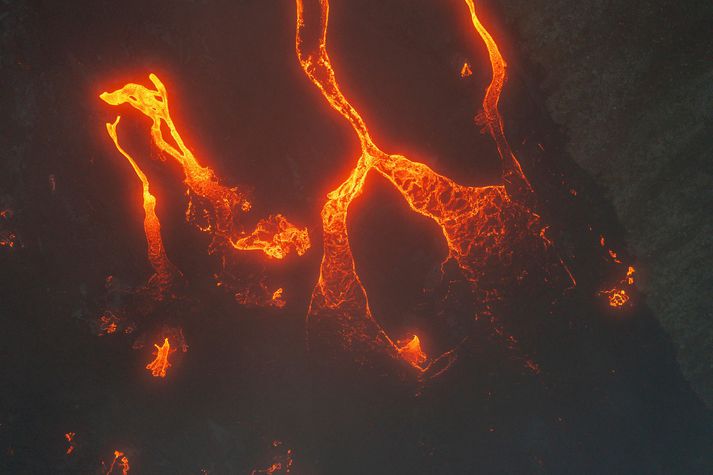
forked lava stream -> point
(203, 182)
(472, 219)
(165, 273)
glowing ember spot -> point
(617, 297)
(8, 239)
(275, 236)
(281, 464)
(277, 298)
(465, 71)
(479, 224)
(69, 436)
(260, 296)
(630, 275)
(108, 324)
(411, 351)
(160, 364)
(121, 460)
(532, 366)
(165, 271)
(614, 257)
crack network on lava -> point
(479, 224)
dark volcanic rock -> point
(631, 86)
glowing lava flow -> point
(480, 224)
(512, 171)
(202, 181)
(411, 351)
(275, 236)
(164, 271)
(123, 463)
(160, 364)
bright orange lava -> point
(479, 224)
(465, 71)
(202, 181)
(123, 462)
(160, 364)
(275, 236)
(618, 297)
(164, 271)
(411, 351)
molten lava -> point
(411, 351)
(202, 182)
(160, 364)
(275, 236)
(465, 71)
(480, 224)
(123, 463)
(618, 296)
(165, 273)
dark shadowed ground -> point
(617, 95)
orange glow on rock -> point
(164, 271)
(122, 461)
(479, 224)
(261, 296)
(411, 351)
(275, 236)
(69, 436)
(277, 298)
(630, 275)
(465, 71)
(108, 324)
(618, 296)
(160, 364)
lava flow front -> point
(160, 364)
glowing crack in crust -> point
(480, 224)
